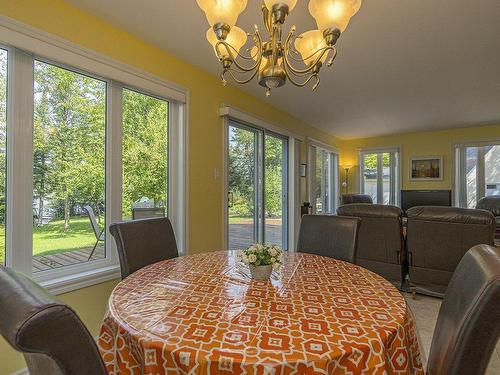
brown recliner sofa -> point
(437, 239)
(380, 242)
(492, 203)
(356, 198)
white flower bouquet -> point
(261, 259)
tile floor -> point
(425, 310)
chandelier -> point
(297, 59)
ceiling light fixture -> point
(273, 60)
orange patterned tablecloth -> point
(202, 314)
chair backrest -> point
(438, 237)
(356, 198)
(468, 325)
(143, 242)
(49, 333)
(331, 236)
(490, 203)
(380, 241)
(93, 221)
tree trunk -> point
(40, 210)
(66, 213)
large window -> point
(68, 167)
(477, 172)
(145, 155)
(325, 180)
(78, 151)
(379, 175)
(3, 149)
(257, 188)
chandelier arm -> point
(312, 65)
(240, 81)
(232, 57)
(308, 57)
(300, 84)
(330, 62)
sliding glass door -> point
(380, 176)
(326, 180)
(477, 174)
(257, 176)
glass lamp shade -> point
(333, 14)
(222, 11)
(308, 43)
(236, 38)
(270, 3)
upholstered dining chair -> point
(330, 236)
(49, 333)
(468, 325)
(143, 242)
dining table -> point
(204, 314)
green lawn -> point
(52, 238)
(240, 219)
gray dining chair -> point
(52, 338)
(98, 232)
(330, 236)
(143, 242)
(468, 325)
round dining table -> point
(203, 314)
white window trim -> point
(459, 193)
(312, 146)
(229, 113)
(42, 45)
(397, 169)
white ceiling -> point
(403, 65)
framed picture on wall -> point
(428, 168)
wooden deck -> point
(241, 235)
(66, 258)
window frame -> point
(459, 156)
(395, 156)
(17, 39)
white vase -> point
(261, 272)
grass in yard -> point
(240, 219)
(51, 238)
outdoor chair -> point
(100, 234)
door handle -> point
(230, 199)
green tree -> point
(69, 135)
(145, 153)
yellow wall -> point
(432, 143)
(205, 144)
(206, 152)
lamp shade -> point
(270, 3)
(310, 42)
(333, 14)
(222, 11)
(236, 38)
